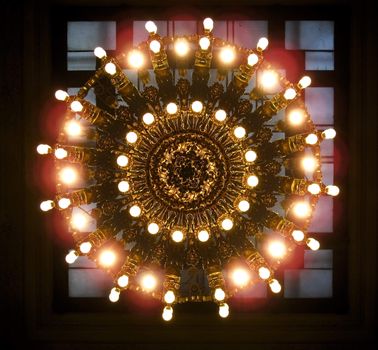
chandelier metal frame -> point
(185, 175)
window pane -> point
(309, 35)
(82, 61)
(322, 220)
(88, 35)
(89, 283)
(308, 284)
(140, 33)
(319, 259)
(257, 290)
(247, 33)
(91, 97)
(319, 60)
(84, 262)
(220, 29)
(319, 102)
(184, 27)
(326, 148)
(327, 171)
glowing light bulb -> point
(167, 313)
(252, 59)
(329, 134)
(219, 294)
(197, 106)
(60, 153)
(298, 235)
(73, 128)
(71, 257)
(264, 272)
(296, 117)
(85, 247)
(47, 205)
(169, 297)
(61, 95)
(314, 188)
(135, 59)
(64, 203)
(332, 190)
(313, 244)
(148, 282)
(135, 211)
(153, 228)
(107, 258)
(250, 156)
(79, 221)
(208, 24)
(148, 118)
(99, 52)
(289, 94)
(123, 186)
(131, 137)
(110, 68)
(68, 175)
(203, 236)
(122, 160)
(302, 209)
(227, 224)
(224, 310)
(151, 27)
(76, 106)
(311, 139)
(43, 149)
(123, 281)
(269, 79)
(252, 181)
(114, 295)
(171, 108)
(277, 249)
(204, 43)
(275, 286)
(239, 132)
(155, 46)
(227, 55)
(240, 277)
(243, 205)
(304, 82)
(309, 163)
(177, 236)
(262, 44)
(220, 115)
(181, 47)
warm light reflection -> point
(296, 117)
(79, 221)
(73, 128)
(68, 175)
(181, 47)
(240, 277)
(309, 163)
(277, 249)
(302, 209)
(148, 282)
(107, 258)
(227, 55)
(135, 59)
(269, 80)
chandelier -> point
(186, 175)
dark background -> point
(29, 317)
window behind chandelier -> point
(297, 45)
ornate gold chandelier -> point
(185, 175)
